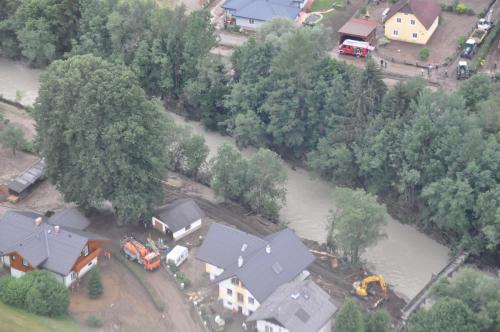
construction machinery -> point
(469, 49)
(135, 250)
(485, 23)
(462, 70)
(361, 288)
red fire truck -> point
(355, 47)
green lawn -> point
(321, 5)
(13, 320)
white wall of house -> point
(247, 23)
(213, 271)
(6, 260)
(238, 298)
(265, 326)
(158, 224)
(187, 230)
(16, 273)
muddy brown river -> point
(406, 257)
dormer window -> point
(86, 250)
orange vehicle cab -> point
(355, 47)
(135, 250)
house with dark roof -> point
(58, 244)
(412, 21)
(248, 268)
(298, 306)
(249, 14)
(178, 218)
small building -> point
(57, 244)
(248, 269)
(21, 184)
(300, 306)
(249, 14)
(359, 29)
(412, 21)
(178, 219)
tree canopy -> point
(102, 139)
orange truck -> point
(135, 250)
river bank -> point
(406, 257)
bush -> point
(95, 284)
(424, 53)
(461, 8)
(461, 41)
(172, 267)
(36, 292)
(14, 292)
(93, 321)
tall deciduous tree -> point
(13, 138)
(101, 138)
(229, 171)
(349, 318)
(359, 222)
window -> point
(234, 281)
(13, 257)
(251, 21)
(25, 263)
(229, 292)
(398, 19)
(414, 35)
(73, 275)
(251, 300)
(395, 33)
(241, 298)
(188, 227)
(269, 328)
(86, 250)
(412, 22)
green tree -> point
(14, 292)
(359, 223)
(9, 44)
(95, 284)
(378, 321)
(195, 152)
(248, 130)
(13, 138)
(205, 94)
(446, 315)
(45, 28)
(266, 177)
(488, 212)
(46, 296)
(475, 90)
(349, 318)
(100, 136)
(229, 170)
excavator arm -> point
(361, 288)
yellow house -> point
(412, 21)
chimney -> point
(56, 229)
(268, 249)
(240, 261)
(38, 221)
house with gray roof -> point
(58, 244)
(178, 218)
(249, 14)
(248, 268)
(298, 306)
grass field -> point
(13, 320)
(321, 5)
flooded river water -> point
(406, 257)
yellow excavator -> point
(361, 287)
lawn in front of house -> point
(13, 319)
(321, 5)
